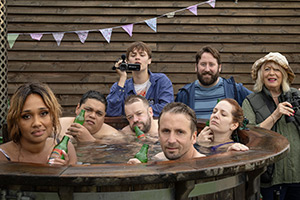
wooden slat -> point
(242, 32)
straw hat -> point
(277, 58)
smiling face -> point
(221, 120)
(272, 76)
(35, 122)
(208, 70)
(138, 114)
(139, 57)
(175, 136)
(94, 115)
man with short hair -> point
(155, 87)
(94, 128)
(202, 95)
(177, 132)
(139, 113)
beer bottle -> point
(57, 150)
(142, 155)
(79, 119)
(139, 134)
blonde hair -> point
(259, 81)
(17, 102)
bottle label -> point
(56, 153)
(141, 136)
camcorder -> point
(293, 99)
(127, 67)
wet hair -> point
(237, 111)
(259, 83)
(180, 108)
(92, 94)
(17, 102)
(208, 49)
(140, 46)
(136, 98)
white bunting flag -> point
(82, 35)
(58, 37)
(170, 15)
(152, 23)
(106, 33)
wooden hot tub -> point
(230, 175)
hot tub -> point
(230, 175)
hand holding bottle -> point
(80, 133)
(59, 161)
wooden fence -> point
(242, 32)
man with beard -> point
(177, 130)
(93, 128)
(203, 94)
(139, 113)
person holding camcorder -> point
(273, 106)
(155, 87)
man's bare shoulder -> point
(66, 120)
(127, 130)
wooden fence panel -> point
(242, 32)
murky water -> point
(108, 152)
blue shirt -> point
(159, 94)
(206, 98)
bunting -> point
(107, 32)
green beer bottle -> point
(57, 150)
(142, 155)
(139, 134)
(79, 119)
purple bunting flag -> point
(36, 36)
(212, 3)
(128, 28)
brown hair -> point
(180, 108)
(17, 102)
(139, 46)
(135, 98)
(207, 49)
(237, 111)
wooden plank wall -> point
(242, 32)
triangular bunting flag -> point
(128, 28)
(193, 9)
(212, 3)
(106, 33)
(11, 38)
(36, 36)
(170, 15)
(151, 23)
(58, 37)
(82, 35)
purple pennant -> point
(193, 9)
(36, 36)
(128, 28)
(212, 3)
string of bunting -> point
(106, 32)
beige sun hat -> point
(277, 58)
